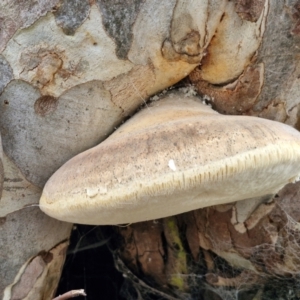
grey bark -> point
(71, 71)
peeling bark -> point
(14, 16)
(237, 97)
(273, 78)
(37, 279)
(27, 271)
(267, 250)
(72, 71)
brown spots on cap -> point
(236, 97)
(249, 10)
(45, 105)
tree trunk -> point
(72, 71)
(232, 251)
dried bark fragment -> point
(71, 294)
(276, 110)
(144, 250)
(237, 97)
(29, 276)
(39, 276)
(71, 14)
(16, 232)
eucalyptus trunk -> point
(71, 71)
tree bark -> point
(232, 251)
(72, 71)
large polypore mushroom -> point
(174, 156)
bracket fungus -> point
(174, 156)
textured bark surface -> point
(207, 251)
(269, 86)
(236, 251)
(71, 71)
(32, 245)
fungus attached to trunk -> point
(174, 156)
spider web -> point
(272, 272)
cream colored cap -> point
(174, 156)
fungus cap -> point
(174, 156)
